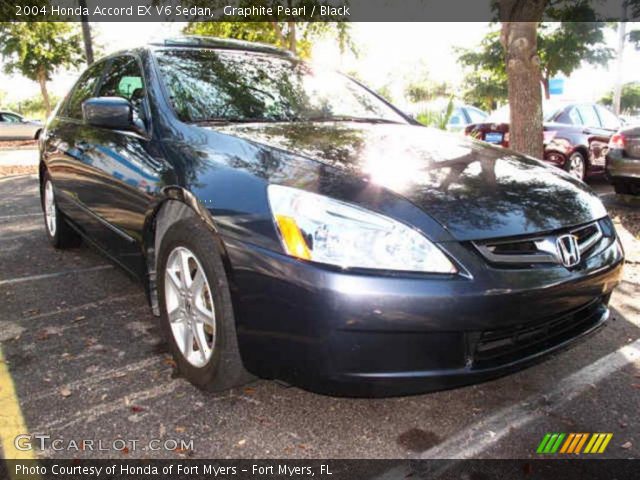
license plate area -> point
(493, 137)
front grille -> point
(538, 249)
(498, 347)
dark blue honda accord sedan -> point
(288, 223)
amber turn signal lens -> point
(292, 236)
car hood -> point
(474, 190)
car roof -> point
(549, 109)
(197, 41)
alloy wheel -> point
(50, 208)
(576, 166)
(189, 306)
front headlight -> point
(318, 228)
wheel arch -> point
(177, 204)
(42, 169)
(584, 151)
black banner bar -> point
(311, 10)
(536, 469)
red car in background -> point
(576, 135)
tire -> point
(60, 234)
(621, 187)
(576, 165)
(213, 362)
(37, 135)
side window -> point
(589, 116)
(9, 118)
(84, 89)
(124, 79)
(574, 116)
(569, 116)
(476, 116)
(608, 119)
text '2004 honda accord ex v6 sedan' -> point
(290, 224)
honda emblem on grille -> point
(568, 250)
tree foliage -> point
(437, 119)
(562, 48)
(38, 50)
(629, 100)
(32, 107)
(426, 90)
(485, 84)
(297, 37)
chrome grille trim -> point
(545, 251)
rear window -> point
(589, 116)
(608, 119)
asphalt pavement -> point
(88, 362)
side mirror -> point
(108, 112)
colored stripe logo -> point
(573, 443)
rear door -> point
(610, 125)
(65, 158)
(597, 136)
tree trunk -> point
(281, 39)
(617, 89)
(519, 40)
(293, 42)
(545, 84)
(42, 80)
(86, 34)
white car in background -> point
(16, 127)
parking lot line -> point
(30, 278)
(84, 306)
(94, 380)
(20, 215)
(472, 441)
(96, 411)
(11, 420)
(10, 178)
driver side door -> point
(123, 168)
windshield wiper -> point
(347, 118)
(227, 120)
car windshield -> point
(501, 115)
(210, 86)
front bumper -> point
(364, 335)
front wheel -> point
(576, 165)
(196, 311)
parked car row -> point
(582, 138)
(576, 135)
